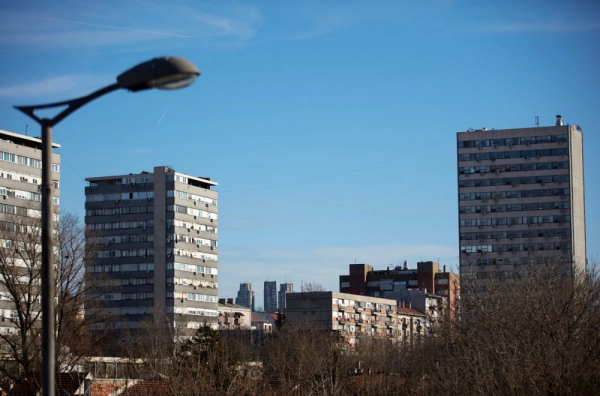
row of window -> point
(191, 253)
(200, 269)
(122, 267)
(27, 161)
(191, 197)
(530, 166)
(25, 178)
(513, 141)
(549, 192)
(128, 296)
(124, 180)
(137, 179)
(191, 226)
(516, 247)
(511, 260)
(126, 253)
(120, 196)
(189, 239)
(136, 281)
(199, 297)
(119, 211)
(136, 310)
(515, 207)
(8, 226)
(192, 282)
(203, 312)
(528, 233)
(128, 239)
(510, 221)
(11, 209)
(525, 154)
(191, 211)
(189, 311)
(513, 181)
(120, 225)
(32, 196)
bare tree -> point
(308, 287)
(20, 291)
(75, 249)
(534, 333)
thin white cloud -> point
(235, 24)
(74, 84)
(243, 25)
(154, 32)
(542, 27)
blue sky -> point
(329, 126)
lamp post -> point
(163, 73)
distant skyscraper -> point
(284, 288)
(521, 199)
(245, 296)
(270, 296)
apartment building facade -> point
(158, 234)
(270, 296)
(20, 211)
(355, 316)
(521, 199)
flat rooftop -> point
(23, 140)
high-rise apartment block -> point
(284, 289)
(270, 296)
(158, 245)
(20, 211)
(245, 296)
(521, 199)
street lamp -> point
(167, 72)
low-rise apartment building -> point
(398, 282)
(355, 316)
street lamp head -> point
(167, 72)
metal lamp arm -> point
(72, 104)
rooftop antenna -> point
(537, 121)
(26, 127)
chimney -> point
(444, 268)
(558, 120)
(405, 264)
